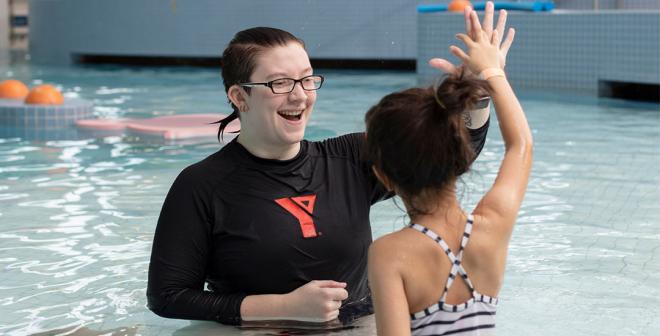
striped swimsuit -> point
(476, 316)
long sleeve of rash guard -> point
(179, 257)
(478, 137)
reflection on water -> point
(84, 331)
(77, 213)
(365, 326)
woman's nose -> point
(298, 91)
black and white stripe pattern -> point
(473, 317)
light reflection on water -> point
(77, 214)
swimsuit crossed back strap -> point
(456, 270)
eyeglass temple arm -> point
(253, 84)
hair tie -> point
(435, 94)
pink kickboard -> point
(103, 124)
(169, 127)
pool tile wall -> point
(337, 29)
(564, 49)
(16, 114)
(587, 4)
(608, 4)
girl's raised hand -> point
(483, 51)
(449, 68)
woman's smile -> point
(291, 115)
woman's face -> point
(279, 120)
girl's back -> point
(419, 256)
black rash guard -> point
(245, 226)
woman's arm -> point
(388, 293)
(179, 257)
(316, 301)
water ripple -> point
(78, 216)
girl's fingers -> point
(468, 23)
(495, 39)
(443, 65)
(508, 41)
(466, 39)
(501, 22)
(456, 51)
(476, 26)
(487, 38)
(488, 18)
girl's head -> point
(418, 141)
(259, 56)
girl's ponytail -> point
(418, 139)
(457, 94)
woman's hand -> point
(316, 301)
(487, 25)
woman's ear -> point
(383, 179)
(237, 96)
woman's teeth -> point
(291, 115)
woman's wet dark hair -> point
(418, 139)
(239, 59)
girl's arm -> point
(502, 202)
(389, 296)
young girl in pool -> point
(442, 274)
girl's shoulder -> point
(387, 258)
(398, 246)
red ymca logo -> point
(301, 207)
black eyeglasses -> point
(286, 85)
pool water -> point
(78, 212)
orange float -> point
(458, 5)
(13, 89)
(44, 95)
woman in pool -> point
(278, 227)
(419, 147)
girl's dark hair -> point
(418, 139)
(239, 59)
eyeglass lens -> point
(286, 85)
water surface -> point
(78, 212)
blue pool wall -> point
(336, 29)
(563, 49)
(607, 4)
(570, 49)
